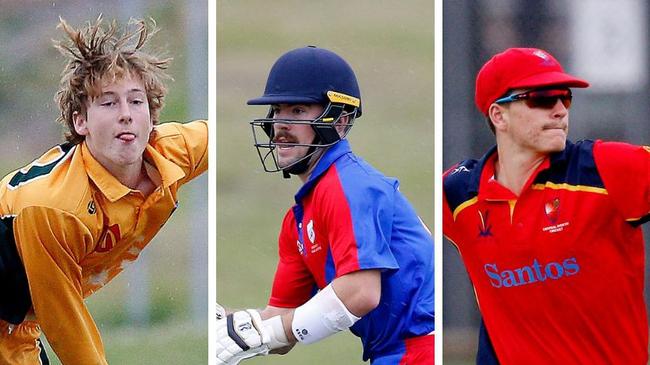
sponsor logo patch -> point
(530, 274)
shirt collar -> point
(112, 188)
(169, 171)
(487, 188)
(330, 156)
(104, 180)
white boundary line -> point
(437, 175)
(212, 181)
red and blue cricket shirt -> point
(349, 217)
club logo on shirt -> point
(312, 246)
(92, 209)
(109, 238)
(530, 274)
(552, 209)
(552, 212)
(485, 228)
(310, 231)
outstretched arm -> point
(275, 330)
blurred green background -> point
(390, 46)
(167, 286)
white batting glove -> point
(243, 334)
(221, 312)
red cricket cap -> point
(519, 68)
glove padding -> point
(241, 336)
(221, 312)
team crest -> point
(552, 210)
(92, 209)
(310, 231)
(109, 238)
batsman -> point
(353, 253)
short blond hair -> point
(97, 53)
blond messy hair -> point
(96, 53)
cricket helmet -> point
(307, 75)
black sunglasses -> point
(544, 99)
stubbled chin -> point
(290, 155)
(557, 145)
(283, 162)
(288, 160)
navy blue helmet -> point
(308, 75)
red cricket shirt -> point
(557, 271)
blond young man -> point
(76, 215)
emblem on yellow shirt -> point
(109, 238)
(91, 207)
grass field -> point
(169, 343)
(390, 46)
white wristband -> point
(322, 316)
(277, 337)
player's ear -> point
(80, 123)
(498, 115)
(342, 124)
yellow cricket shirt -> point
(77, 226)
